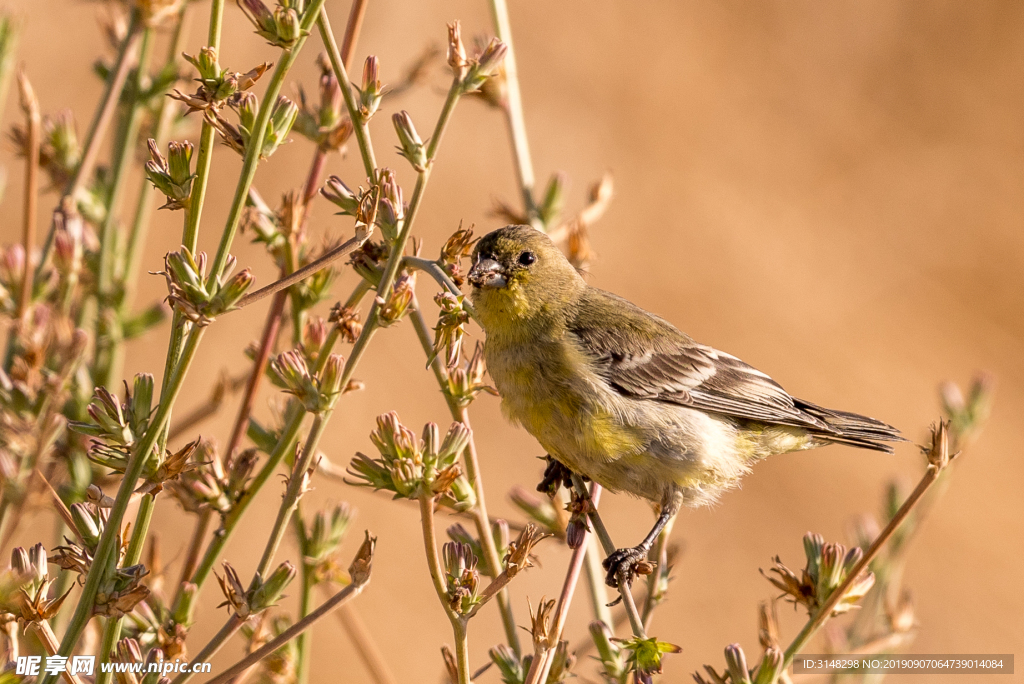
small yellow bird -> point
(621, 396)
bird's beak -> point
(487, 273)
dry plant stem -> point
(105, 112)
(307, 582)
(207, 409)
(426, 499)
(108, 334)
(366, 647)
(338, 63)
(49, 641)
(112, 628)
(595, 584)
(472, 463)
(143, 208)
(255, 148)
(309, 269)
(546, 659)
(207, 138)
(105, 552)
(346, 594)
(183, 607)
(294, 491)
(514, 112)
(351, 37)
(483, 528)
(825, 611)
(33, 123)
(60, 506)
(609, 548)
(233, 624)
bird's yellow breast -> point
(547, 388)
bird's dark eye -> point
(527, 258)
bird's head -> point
(519, 275)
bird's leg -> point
(624, 562)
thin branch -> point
(105, 113)
(939, 460)
(309, 269)
(30, 106)
(360, 129)
(609, 548)
(572, 577)
(59, 505)
(351, 37)
(359, 581)
(514, 112)
(225, 386)
(49, 641)
(365, 646)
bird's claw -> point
(625, 565)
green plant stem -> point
(204, 156)
(33, 128)
(106, 551)
(254, 151)
(426, 501)
(472, 463)
(359, 127)
(294, 491)
(596, 585)
(824, 612)
(514, 112)
(609, 548)
(112, 628)
(143, 208)
(184, 604)
(108, 325)
(302, 643)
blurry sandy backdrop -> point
(831, 191)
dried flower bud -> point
(281, 121)
(337, 192)
(508, 663)
(268, 593)
(457, 51)
(485, 66)
(736, 663)
(392, 309)
(347, 321)
(290, 367)
(372, 91)
(451, 326)
(519, 556)
(938, 453)
(362, 564)
(330, 381)
(461, 576)
(410, 144)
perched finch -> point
(621, 396)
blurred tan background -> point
(831, 191)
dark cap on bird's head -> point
(519, 270)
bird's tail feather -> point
(853, 429)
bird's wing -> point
(643, 356)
